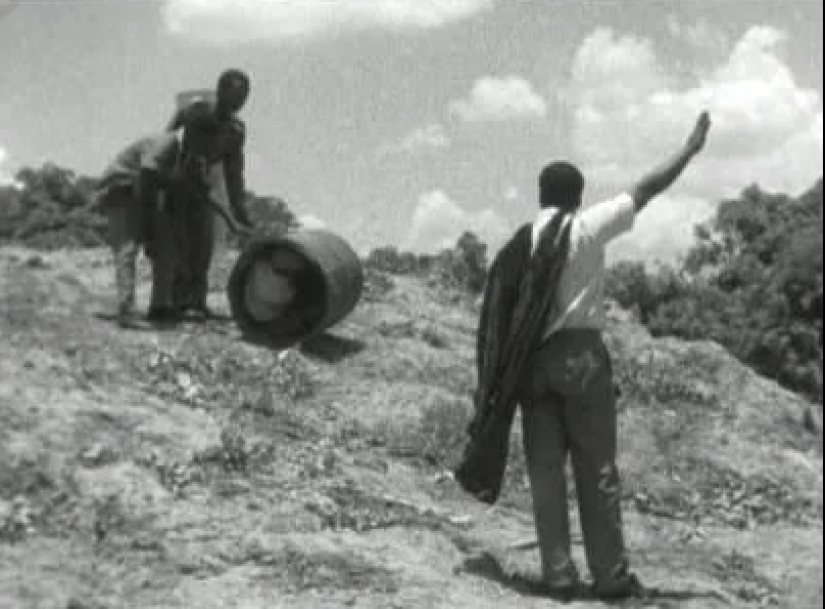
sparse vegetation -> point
(435, 440)
(301, 571)
(135, 467)
(460, 270)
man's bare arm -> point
(176, 122)
(661, 178)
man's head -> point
(233, 90)
(561, 185)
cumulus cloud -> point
(701, 34)
(500, 99)
(227, 21)
(628, 115)
(6, 177)
(438, 222)
(429, 137)
(665, 230)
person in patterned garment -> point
(133, 194)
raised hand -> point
(698, 137)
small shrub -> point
(434, 338)
(302, 570)
(377, 285)
(438, 437)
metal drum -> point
(287, 288)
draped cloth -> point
(518, 301)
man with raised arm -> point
(540, 345)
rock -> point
(809, 421)
(36, 262)
(98, 455)
(445, 476)
(461, 521)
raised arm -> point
(661, 178)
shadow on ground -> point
(332, 349)
(487, 566)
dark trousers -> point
(129, 226)
(195, 233)
(569, 408)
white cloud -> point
(701, 34)
(428, 137)
(6, 177)
(500, 99)
(511, 194)
(665, 230)
(438, 222)
(766, 128)
(312, 222)
(228, 21)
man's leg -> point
(546, 449)
(182, 210)
(125, 228)
(591, 423)
(164, 264)
(203, 233)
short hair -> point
(560, 185)
(233, 74)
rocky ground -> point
(188, 469)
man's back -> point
(156, 152)
(580, 295)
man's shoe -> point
(628, 588)
(204, 313)
(128, 320)
(563, 594)
(163, 315)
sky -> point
(405, 122)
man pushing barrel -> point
(211, 170)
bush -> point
(389, 259)
(463, 268)
(436, 440)
(52, 207)
(752, 282)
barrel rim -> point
(290, 241)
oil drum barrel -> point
(287, 288)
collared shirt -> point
(156, 152)
(580, 296)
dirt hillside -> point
(188, 469)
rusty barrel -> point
(287, 288)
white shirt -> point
(580, 296)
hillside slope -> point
(189, 469)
